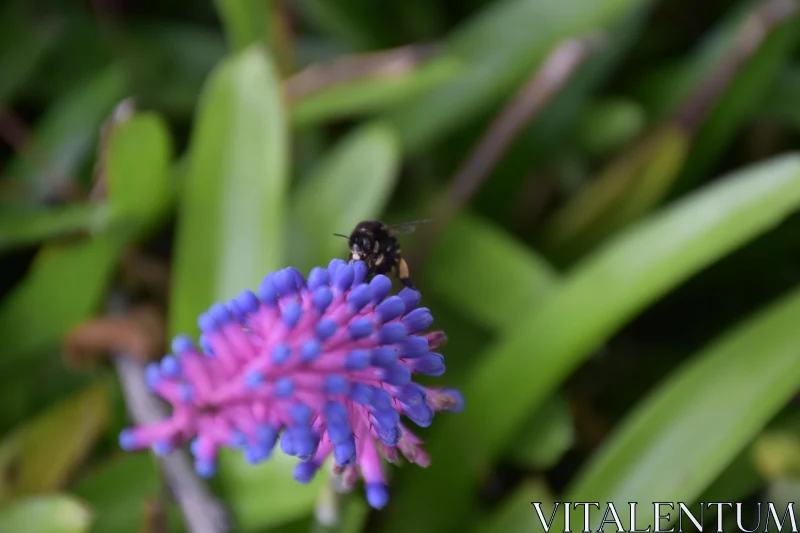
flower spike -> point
(321, 368)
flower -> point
(324, 366)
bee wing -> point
(408, 227)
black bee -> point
(375, 243)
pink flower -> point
(324, 365)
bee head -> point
(360, 246)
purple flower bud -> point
(359, 297)
(418, 320)
(304, 472)
(322, 298)
(377, 495)
(318, 277)
(411, 298)
(431, 364)
(318, 366)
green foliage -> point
(360, 172)
(46, 514)
(729, 415)
(231, 226)
(648, 206)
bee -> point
(375, 243)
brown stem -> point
(537, 92)
(202, 512)
(386, 64)
(756, 28)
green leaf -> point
(23, 227)
(546, 436)
(46, 514)
(63, 286)
(780, 106)
(139, 176)
(230, 228)
(246, 22)
(354, 515)
(42, 454)
(607, 125)
(740, 100)
(736, 483)
(43, 307)
(170, 62)
(360, 172)
(373, 94)
(23, 45)
(632, 184)
(116, 491)
(545, 141)
(667, 86)
(501, 46)
(677, 442)
(266, 495)
(485, 273)
(516, 513)
(67, 133)
(605, 291)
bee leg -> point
(403, 274)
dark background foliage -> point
(614, 249)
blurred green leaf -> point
(169, 63)
(359, 24)
(632, 184)
(65, 136)
(23, 227)
(546, 137)
(44, 306)
(373, 94)
(781, 104)
(63, 286)
(607, 125)
(600, 295)
(266, 495)
(355, 515)
(230, 229)
(41, 455)
(546, 436)
(22, 47)
(682, 436)
(46, 514)
(481, 270)
(246, 22)
(516, 513)
(740, 100)
(359, 172)
(139, 181)
(739, 480)
(116, 491)
(667, 85)
(502, 45)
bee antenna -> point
(340, 235)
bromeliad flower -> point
(325, 366)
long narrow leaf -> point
(604, 292)
(230, 230)
(503, 45)
(676, 442)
